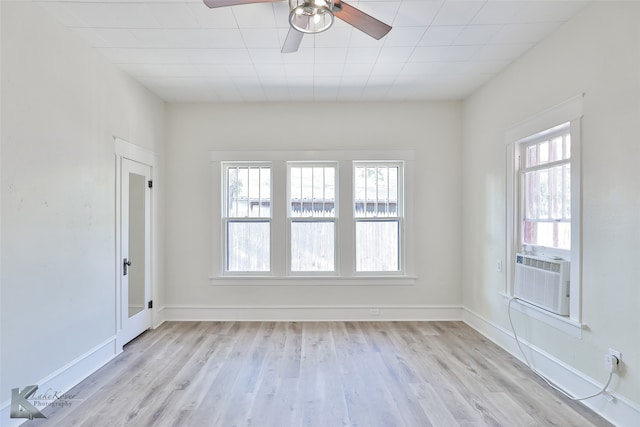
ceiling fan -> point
(316, 16)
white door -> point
(135, 240)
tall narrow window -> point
(312, 217)
(247, 217)
(544, 209)
(378, 214)
(545, 179)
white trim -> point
(124, 149)
(549, 120)
(309, 155)
(575, 272)
(562, 323)
(619, 410)
(68, 376)
(390, 280)
(399, 218)
(345, 250)
(310, 313)
(159, 320)
(131, 151)
(566, 111)
(291, 219)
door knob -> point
(126, 263)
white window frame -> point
(534, 128)
(399, 217)
(226, 218)
(334, 219)
(520, 148)
(345, 226)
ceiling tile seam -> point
(395, 79)
(313, 72)
(194, 16)
(349, 47)
(253, 65)
(230, 79)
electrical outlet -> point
(374, 312)
(617, 354)
(612, 360)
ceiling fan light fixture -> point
(311, 16)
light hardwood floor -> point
(322, 374)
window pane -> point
(376, 191)
(547, 193)
(566, 192)
(556, 149)
(377, 246)
(248, 246)
(532, 155)
(536, 194)
(248, 192)
(549, 234)
(556, 190)
(312, 246)
(530, 203)
(359, 191)
(312, 191)
(543, 152)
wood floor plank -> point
(434, 407)
(316, 374)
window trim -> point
(225, 218)
(345, 262)
(569, 111)
(520, 148)
(400, 217)
(334, 219)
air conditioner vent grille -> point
(543, 282)
(542, 265)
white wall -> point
(62, 104)
(432, 129)
(597, 53)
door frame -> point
(126, 150)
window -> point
(312, 217)
(545, 195)
(377, 213)
(247, 217)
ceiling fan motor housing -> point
(311, 16)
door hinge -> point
(150, 304)
(150, 184)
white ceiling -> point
(437, 49)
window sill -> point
(569, 326)
(312, 281)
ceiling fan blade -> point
(292, 42)
(222, 3)
(365, 23)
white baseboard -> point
(620, 411)
(65, 378)
(309, 313)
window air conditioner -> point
(543, 282)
